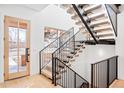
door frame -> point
(8, 76)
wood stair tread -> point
(96, 15)
(104, 35)
(102, 28)
(91, 7)
(99, 22)
(65, 6)
(75, 17)
(71, 10)
(79, 23)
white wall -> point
(16, 11)
(100, 52)
(51, 16)
(92, 54)
(120, 43)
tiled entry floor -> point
(36, 81)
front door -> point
(16, 48)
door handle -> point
(27, 54)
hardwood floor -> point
(117, 84)
(36, 81)
(40, 81)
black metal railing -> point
(103, 73)
(45, 55)
(61, 62)
(113, 17)
(66, 77)
(63, 53)
(66, 49)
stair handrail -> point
(87, 83)
(67, 41)
(67, 32)
(56, 39)
(58, 52)
(72, 70)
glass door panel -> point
(13, 49)
(22, 49)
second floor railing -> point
(103, 73)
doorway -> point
(16, 48)
(51, 34)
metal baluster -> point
(64, 79)
(40, 62)
(108, 73)
(74, 80)
(55, 71)
(52, 68)
(116, 67)
(92, 75)
(43, 59)
(99, 69)
(66, 76)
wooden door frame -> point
(6, 48)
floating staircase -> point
(66, 54)
(97, 21)
(95, 24)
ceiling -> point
(35, 7)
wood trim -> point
(28, 46)
(19, 23)
(5, 50)
(17, 75)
